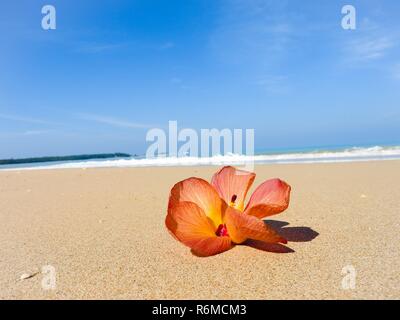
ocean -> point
(308, 155)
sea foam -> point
(316, 156)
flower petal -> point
(201, 193)
(271, 197)
(242, 227)
(188, 223)
(232, 185)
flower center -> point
(222, 231)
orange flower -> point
(212, 218)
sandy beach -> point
(103, 232)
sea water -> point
(306, 155)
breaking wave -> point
(316, 156)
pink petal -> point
(232, 185)
(270, 198)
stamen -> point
(222, 231)
(233, 199)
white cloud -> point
(255, 32)
(370, 47)
(25, 119)
(35, 132)
(115, 122)
(370, 42)
(28, 133)
(99, 47)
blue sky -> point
(114, 69)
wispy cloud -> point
(370, 47)
(11, 117)
(115, 122)
(111, 47)
(370, 42)
(276, 84)
(99, 47)
(36, 132)
(255, 31)
(27, 133)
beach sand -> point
(103, 232)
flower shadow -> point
(291, 234)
